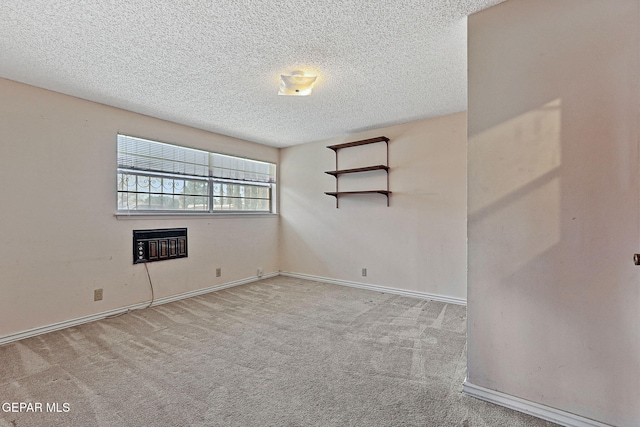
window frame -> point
(210, 181)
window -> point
(158, 177)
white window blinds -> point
(142, 154)
(230, 167)
(145, 155)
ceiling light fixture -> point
(296, 84)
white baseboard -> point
(212, 289)
(496, 397)
(93, 317)
(521, 405)
(377, 288)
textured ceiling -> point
(215, 65)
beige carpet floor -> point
(278, 352)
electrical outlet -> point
(259, 272)
(218, 272)
(364, 272)
(97, 294)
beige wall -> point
(416, 244)
(59, 237)
(553, 296)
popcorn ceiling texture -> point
(215, 65)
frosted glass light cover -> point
(296, 84)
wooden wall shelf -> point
(365, 169)
(340, 193)
(357, 143)
(337, 172)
